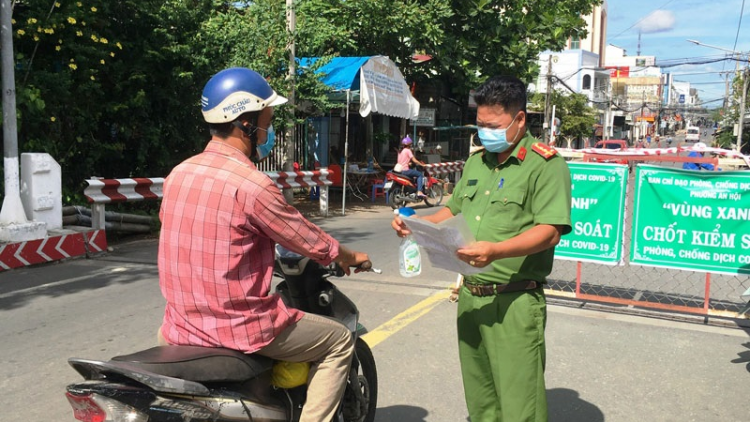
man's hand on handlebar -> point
(348, 259)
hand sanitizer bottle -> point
(409, 257)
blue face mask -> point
(494, 140)
(265, 149)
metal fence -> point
(275, 161)
(649, 287)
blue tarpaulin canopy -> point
(340, 73)
(373, 81)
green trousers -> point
(502, 353)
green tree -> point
(108, 88)
(577, 118)
(489, 37)
(728, 118)
(112, 88)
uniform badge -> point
(544, 150)
(522, 153)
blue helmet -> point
(235, 91)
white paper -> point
(441, 241)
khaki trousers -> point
(329, 346)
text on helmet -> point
(237, 107)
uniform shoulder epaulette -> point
(544, 150)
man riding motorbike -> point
(221, 218)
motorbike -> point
(402, 189)
(189, 383)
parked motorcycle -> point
(402, 189)
(188, 383)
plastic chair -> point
(378, 190)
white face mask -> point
(495, 140)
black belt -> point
(494, 289)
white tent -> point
(381, 87)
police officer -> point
(515, 194)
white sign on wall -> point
(426, 117)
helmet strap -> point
(252, 133)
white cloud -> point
(657, 21)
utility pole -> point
(547, 100)
(741, 122)
(12, 211)
(14, 226)
(291, 20)
(658, 112)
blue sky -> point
(665, 25)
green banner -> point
(597, 213)
(691, 220)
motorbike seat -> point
(398, 174)
(200, 364)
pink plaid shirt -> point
(221, 218)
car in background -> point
(620, 144)
(612, 144)
(693, 134)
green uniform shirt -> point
(502, 200)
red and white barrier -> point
(67, 244)
(660, 151)
(106, 191)
(445, 168)
(300, 179)
(305, 179)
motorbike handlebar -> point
(365, 266)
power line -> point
(739, 25)
(641, 19)
(706, 83)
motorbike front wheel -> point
(434, 195)
(360, 404)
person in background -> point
(405, 159)
(336, 157)
(221, 219)
(697, 166)
(515, 195)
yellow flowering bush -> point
(66, 21)
(90, 68)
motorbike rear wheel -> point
(356, 409)
(396, 197)
(434, 195)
